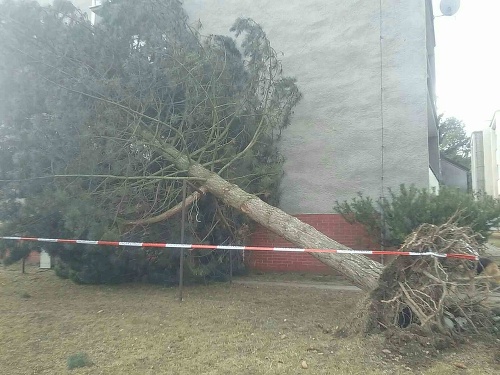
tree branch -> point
(170, 212)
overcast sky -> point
(468, 62)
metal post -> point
(382, 236)
(230, 266)
(183, 228)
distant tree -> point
(453, 140)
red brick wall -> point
(33, 258)
(333, 225)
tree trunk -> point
(360, 270)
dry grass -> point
(218, 329)
(298, 277)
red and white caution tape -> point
(246, 248)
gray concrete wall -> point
(338, 144)
(453, 175)
(82, 4)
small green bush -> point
(390, 219)
(78, 360)
(61, 270)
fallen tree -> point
(125, 109)
(360, 270)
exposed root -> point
(439, 297)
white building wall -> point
(433, 182)
(362, 124)
(488, 161)
(485, 147)
(81, 4)
(477, 161)
(491, 159)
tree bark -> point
(360, 270)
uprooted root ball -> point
(440, 295)
(430, 296)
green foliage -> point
(204, 266)
(16, 252)
(453, 141)
(78, 360)
(390, 219)
(102, 104)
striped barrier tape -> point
(246, 248)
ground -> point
(257, 328)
